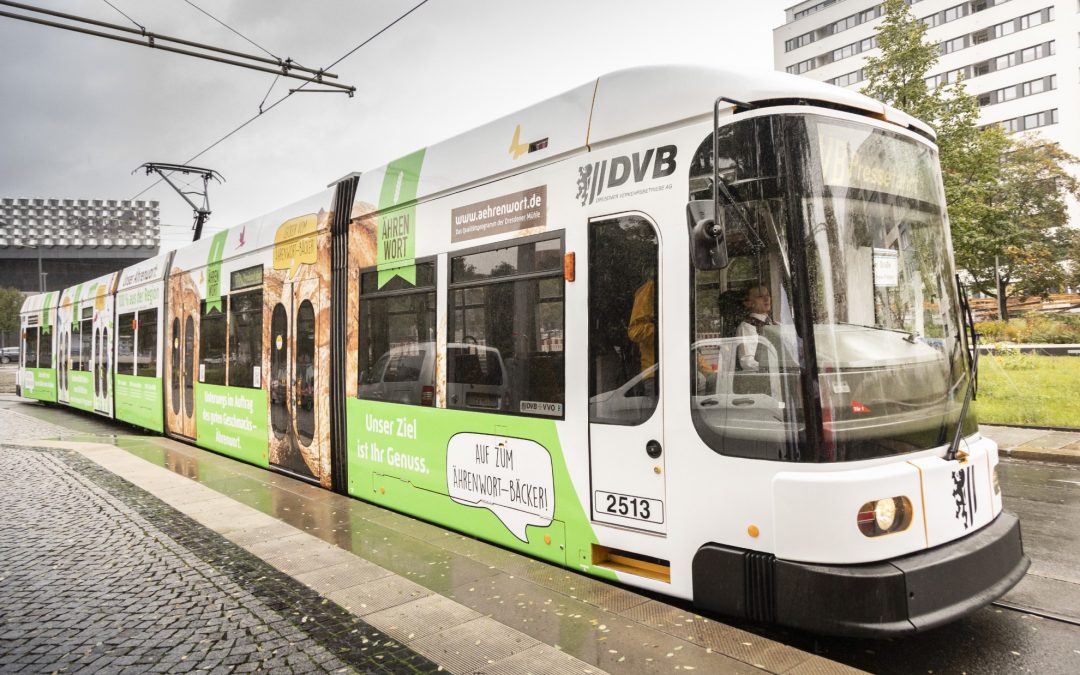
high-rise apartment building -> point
(1020, 58)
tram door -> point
(183, 341)
(295, 402)
(626, 428)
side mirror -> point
(708, 244)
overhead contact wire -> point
(275, 103)
(121, 12)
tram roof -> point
(613, 106)
(104, 285)
(34, 303)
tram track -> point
(1041, 613)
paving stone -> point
(101, 576)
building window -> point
(1029, 122)
(505, 343)
(848, 79)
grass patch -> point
(1017, 388)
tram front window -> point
(886, 321)
(838, 293)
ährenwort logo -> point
(593, 179)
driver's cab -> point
(744, 349)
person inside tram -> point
(758, 303)
(642, 326)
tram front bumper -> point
(901, 596)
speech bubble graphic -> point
(294, 244)
(511, 477)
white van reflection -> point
(476, 377)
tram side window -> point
(624, 334)
(245, 339)
(75, 346)
(30, 347)
(86, 339)
(505, 344)
(125, 347)
(745, 380)
(146, 352)
(212, 344)
(45, 350)
(397, 337)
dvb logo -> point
(593, 179)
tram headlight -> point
(884, 516)
(885, 513)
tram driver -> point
(758, 303)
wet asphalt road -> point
(996, 639)
(992, 640)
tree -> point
(1029, 213)
(1005, 194)
(11, 301)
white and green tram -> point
(692, 330)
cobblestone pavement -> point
(97, 575)
(19, 427)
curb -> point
(1058, 455)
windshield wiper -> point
(912, 335)
(973, 363)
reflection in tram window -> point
(245, 339)
(305, 372)
(174, 380)
(146, 352)
(279, 371)
(212, 344)
(45, 348)
(746, 374)
(125, 344)
(884, 300)
(86, 342)
(189, 366)
(624, 335)
(506, 315)
(30, 347)
(62, 362)
(397, 338)
(106, 358)
(97, 363)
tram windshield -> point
(833, 333)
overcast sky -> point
(79, 113)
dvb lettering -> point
(593, 179)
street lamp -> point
(41, 274)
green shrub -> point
(1048, 328)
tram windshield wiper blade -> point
(737, 207)
(911, 334)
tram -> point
(692, 330)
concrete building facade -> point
(1020, 58)
(74, 239)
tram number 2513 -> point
(627, 506)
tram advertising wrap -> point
(691, 330)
